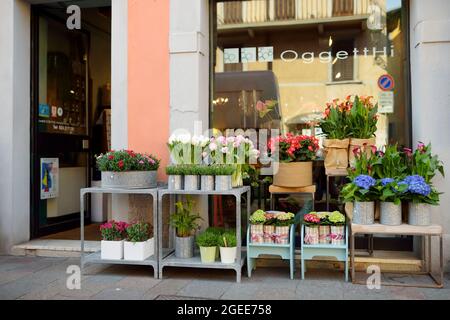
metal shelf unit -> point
(95, 257)
(171, 261)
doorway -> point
(70, 114)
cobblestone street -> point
(36, 278)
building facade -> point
(167, 58)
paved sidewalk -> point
(45, 278)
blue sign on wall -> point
(386, 82)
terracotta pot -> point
(294, 175)
(336, 153)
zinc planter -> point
(191, 183)
(281, 235)
(311, 235)
(337, 235)
(129, 179)
(184, 247)
(175, 182)
(208, 254)
(257, 233)
(294, 174)
(228, 255)
(139, 251)
(112, 250)
(269, 231)
(223, 183)
(336, 153)
(207, 183)
(364, 213)
(324, 235)
(390, 214)
(419, 214)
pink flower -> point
(374, 149)
(408, 152)
(141, 162)
(261, 106)
(224, 150)
(212, 146)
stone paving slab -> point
(37, 278)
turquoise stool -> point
(285, 251)
(324, 250)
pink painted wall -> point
(148, 78)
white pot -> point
(112, 250)
(228, 255)
(139, 251)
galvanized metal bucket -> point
(191, 183)
(364, 213)
(129, 179)
(223, 183)
(175, 182)
(419, 214)
(390, 214)
(207, 183)
(184, 247)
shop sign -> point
(49, 178)
(386, 102)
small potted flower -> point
(283, 223)
(223, 177)
(422, 168)
(128, 169)
(269, 227)
(324, 228)
(185, 223)
(295, 155)
(311, 222)
(257, 220)
(227, 245)
(337, 221)
(139, 245)
(113, 234)
(207, 242)
(175, 177)
(361, 192)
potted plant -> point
(217, 231)
(223, 177)
(207, 242)
(295, 154)
(362, 121)
(335, 127)
(390, 168)
(186, 149)
(337, 221)
(175, 177)
(324, 228)
(206, 177)
(227, 245)
(361, 192)
(233, 150)
(269, 227)
(191, 174)
(422, 167)
(185, 223)
(112, 240)
(257, 220)
(311, 222)
(283, 223)
(128, 169)
(139, 245)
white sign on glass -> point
(248, 55)
(265, 54)
(231, 55)
(386, 102)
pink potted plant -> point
(112, 240)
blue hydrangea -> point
(364, 181)
(417, 185)
(386, 181)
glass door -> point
(60, 124)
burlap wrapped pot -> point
(336, 153)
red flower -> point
(310, 148)
(120, 164)
(356, 151)
(111, 157)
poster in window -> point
(49, 178)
